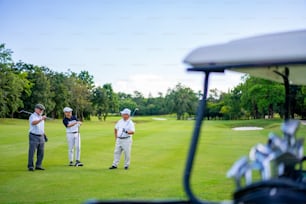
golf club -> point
(261, 156)
(133, 113)
(276, 143)
(275, 159)
(239, 168)
(27, 112)
(289, 129)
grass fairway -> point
(158, 159)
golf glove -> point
(46, 138)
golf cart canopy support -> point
(277, 57)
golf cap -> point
(40, 106)
(126, 111)
(67, 109)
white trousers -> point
(123, 145)
(74, 143)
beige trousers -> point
(123, 145)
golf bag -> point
(280, 163)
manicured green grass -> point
(158, 158)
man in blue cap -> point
(124, 130)
(36, 137)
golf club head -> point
(133, 113)
(289, 129)
(237, 166)
(259, 152)
(239, 169)
(275, 143)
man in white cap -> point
(124, 130)
(36, 137)
(72, 125)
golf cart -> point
(278, 57)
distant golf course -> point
(158, 158)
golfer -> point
(124, 130)
(72, 125)
(36, 137)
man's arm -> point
(67, 124)
(130, 132)
(35, 122)
(131, 129)
(74, 123)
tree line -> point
(22, 85)
(256, 98)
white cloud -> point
(153, 83)
(144, 83)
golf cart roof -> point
(265, 56)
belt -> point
(73, 132)
(123, 137)
(36, 134)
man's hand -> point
(43, 117)
(46, 138)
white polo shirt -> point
(124, 125)
(38, 129)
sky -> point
(138, 44)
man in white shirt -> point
(124, 130)
(72, 125)
(36, 138)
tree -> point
(100, 102)
(214, 104)
(12, 84)
(262, 97)
(60, 91)
(128, 103)
(5, 55)
(298, 101)
(155, 106)
(79, 97)
(105, 101)
(87, 79)
(182, 100)
(40, 87)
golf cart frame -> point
(278, 57)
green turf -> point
(157, 165)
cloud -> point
(144, 83)
(154, 83)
